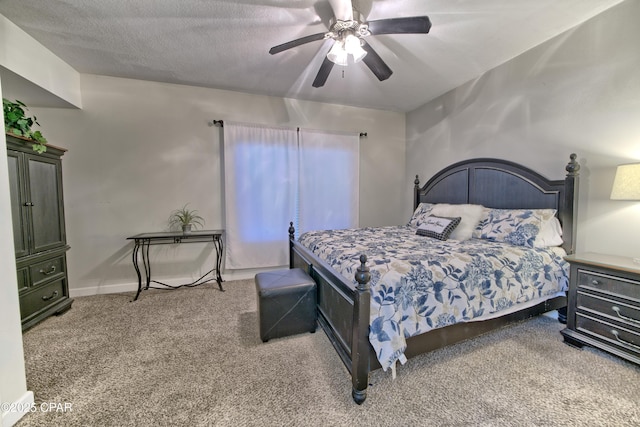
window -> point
(277, 175)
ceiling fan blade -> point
(297, 42)
(323, 73)
(375, 63)
(342, 9)
(411, 25)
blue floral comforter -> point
(419, 283)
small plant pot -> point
(186, 229)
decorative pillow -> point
(470, 216)
(420, 214)
(518, 227)
(438, 227)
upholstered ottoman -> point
(286, 303)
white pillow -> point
(550, 234)
(470, 216)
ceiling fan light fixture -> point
(343, 47)
(348, 32)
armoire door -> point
(18, 214)
(45, 209)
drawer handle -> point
(51, 270)
(630, 319)
(594, 282)
(621, 341)
(53, 295)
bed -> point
(347, 293)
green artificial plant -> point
(186, 218)
(17, 123)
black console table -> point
(143, 241)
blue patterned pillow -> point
(438, 227)
(420, 214)
(518, 227)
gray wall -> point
(138, 150)
(578, 92)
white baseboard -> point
(11, 417)
(249, 273)
(117, 288)
(103, 289)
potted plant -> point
(17, 123)
(186, 219)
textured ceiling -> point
(224, 44)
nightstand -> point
(603, 309)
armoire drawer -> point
(46, 270)
(42, 298)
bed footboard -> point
(343, 312)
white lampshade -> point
(353, 45)
(338, 55)
(626, 184)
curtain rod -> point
(220, 123)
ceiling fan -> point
(348, 30)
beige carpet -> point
(193, 357)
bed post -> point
(360, 338)
(570, 203)
(292, 237)
(416, 193)
(568, 219)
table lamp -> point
(626, 185)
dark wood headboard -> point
(502, 184)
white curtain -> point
(261, 186)
(276, 175)
(329, 180)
